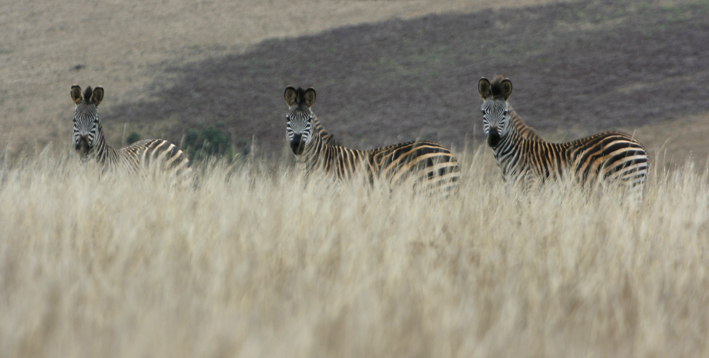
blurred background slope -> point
(384, 71)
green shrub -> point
(208, 142)
(132, 137)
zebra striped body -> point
(524, 157)
(423, 164)
(89, 142)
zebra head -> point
(496, 114)
(299, 118)
(87, 128)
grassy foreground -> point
(255, 262)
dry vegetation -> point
(255, 262)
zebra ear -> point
(484, 88)
(97, 95)
(290, 95)
(506, 88)
(309, 97)
(76, 94)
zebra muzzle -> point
(493, 137)
(297, 145)
(82, 146)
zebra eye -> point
(506, 112)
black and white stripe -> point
(154, 154)
(524, 157)
(423, 164)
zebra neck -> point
(318, 126)
(325, 136)
(517, 121)
(322, 154)
(510, 150)
(315, 153)
(522, 128)
(104, 152)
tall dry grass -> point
(256, 262)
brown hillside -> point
(577, 68)
(46, 46)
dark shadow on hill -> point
(598, 66)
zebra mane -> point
(299, 96)
(87, 94)
(495, 87)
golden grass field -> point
(254, 261)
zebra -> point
(424, 164)
(90, 144)
(526, 158)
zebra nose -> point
(296, 145)
(493, 137)
(82, 139)
(82, 144)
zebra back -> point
(608, 156)
(157, 156)
(419, 163)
